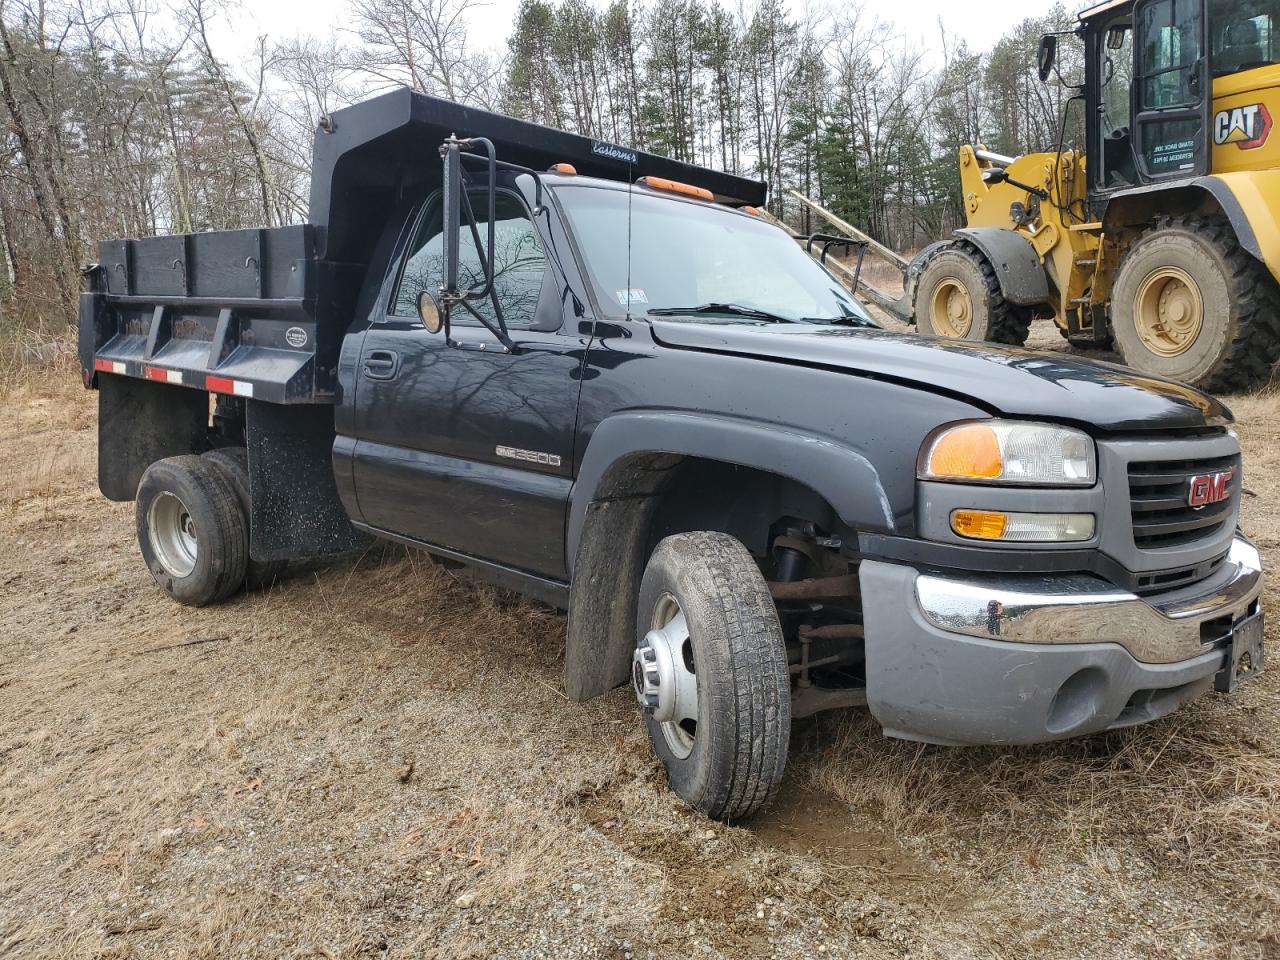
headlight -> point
(1006, 451)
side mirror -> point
(1046, 56)
(431, 312)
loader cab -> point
(1152, 70)
(1147, 91)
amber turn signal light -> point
(979, 524)
(970, 451)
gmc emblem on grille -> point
(1207, 488)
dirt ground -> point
(375, 759)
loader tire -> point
(959, 296)
(191, 530)
(710, 668)
(234, 464)
(1189, 303)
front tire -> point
(1190, 304)
(711, 671)
(191, 530)
(959, 296)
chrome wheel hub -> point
(664, 677)
(173, 535)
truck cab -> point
(604, 380)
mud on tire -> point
(191, 530)
(734, 759)
(234, 464)
(1239, 337)
(991, 316)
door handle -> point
(381, 365)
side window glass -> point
(519, 264)
(1170, 51)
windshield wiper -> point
(734, 309)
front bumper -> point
(1027, 658)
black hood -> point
(1005, 380)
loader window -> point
(1244, 34)
(518, 266)
(1173, 87)
(1115, 72)
(1169, 55)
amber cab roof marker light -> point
(568, 169)
(675, 186)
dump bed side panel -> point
(250, 313)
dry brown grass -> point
(251, 796)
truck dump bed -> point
(261, 313)
(242, 312)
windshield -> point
(1244, 34)
(693, 254)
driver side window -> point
(518, 267)
(1116, 73)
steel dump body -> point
(250, 313)
(261, 313)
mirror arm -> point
(490, 289)
(507, 344)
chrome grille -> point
(1162, 517)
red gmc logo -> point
(1207, 488)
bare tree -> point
(423, 44)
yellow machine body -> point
(1080, 258)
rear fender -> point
(1249, 199)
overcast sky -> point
(917, 20)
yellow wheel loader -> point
(1161, 240)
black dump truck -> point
(602, 379)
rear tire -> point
(704, 601)
(191, 530)
(234, 464)
(958, 296)
(1189, 303)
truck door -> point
(1171, 94)
(471, 449)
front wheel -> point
(710, 671)
(191, 530)
(959, 296)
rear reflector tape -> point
(226, 385)
(163, 375)
(238, 388)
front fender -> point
(840, 474)
(611, 505)
(1015, 261)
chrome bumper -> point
(1079, 608)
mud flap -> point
(296, 511)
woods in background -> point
(121, 118)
